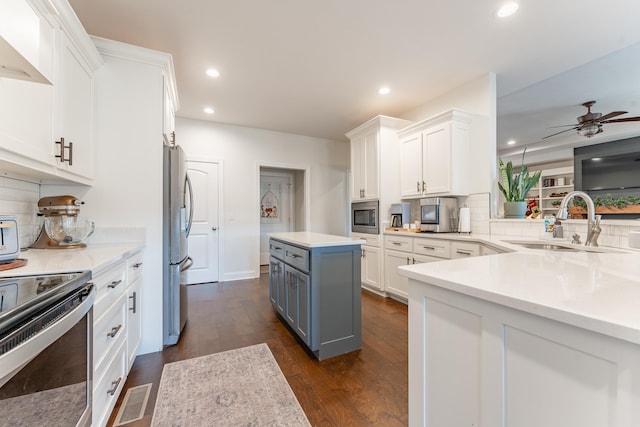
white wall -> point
(243, 150)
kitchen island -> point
(314, 285)
(525, 339)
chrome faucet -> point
(593, 220)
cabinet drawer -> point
(110, 285)
(107, 331)
(108, 388)
(464, 250)
(432, 247)
(398, 243)
(276, 249)
(297, 257)
(370, 239)
(134, 267)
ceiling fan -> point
(590, 123)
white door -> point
(203, 239)
(276, 207)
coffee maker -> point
(62, 229)
(400, 214)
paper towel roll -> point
(634, 239)
(464, 221)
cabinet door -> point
(371, 166)
(411, 165)
(134, 319)
(437, 159)
(297, 308)
(370, 267)
(73, 111)
(357, 168)
(364, 166)
(276, 284)
(394, 282)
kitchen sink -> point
(560, 247)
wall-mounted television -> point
(609, 169)
(611, 166)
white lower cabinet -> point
(402, 250)
(116, 332)
(370, 268)
(477, 363)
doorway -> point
(281, 204)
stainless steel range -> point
(45, 349)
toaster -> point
(9, 243)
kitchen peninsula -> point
(314, 285)
(525, 339)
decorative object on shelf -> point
(515, 186)
(608, 205)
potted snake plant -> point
(515, 186)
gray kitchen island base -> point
(316, 290)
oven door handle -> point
(15, 359)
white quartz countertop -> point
(595, 291)
(315, 240)
(94, 257)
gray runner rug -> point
(243, 387)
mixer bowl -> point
(68, 230)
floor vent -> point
(133, 405)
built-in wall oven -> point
(45, 350)
(365, 217)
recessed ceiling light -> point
(384, 90)
(511, 142)
(209, 110)
(596, 159)
(507, 9)
(212, 72)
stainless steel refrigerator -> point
(177, 219)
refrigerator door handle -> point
(188, 188)
(186, 264)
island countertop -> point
(314, 240)
(595, 291)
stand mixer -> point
(62, 229)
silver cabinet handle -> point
(397, 243)
(137, 265)
(114, 387)
(461, 252)
(431, 248)
(134, 299)
(424, 185)
(408, 260)
(114, 284)
(214, 228)
(362, 254)
(114, 331)
(418, 186)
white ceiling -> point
(314, 67)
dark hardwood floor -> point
(363, 388)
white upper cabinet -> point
(73, 112)
(374, 148)
(434, 159)
(365, 168)
(33, 116)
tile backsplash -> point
(20, 198)
(615, 233)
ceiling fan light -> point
(589, 131)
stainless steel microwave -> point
(365, 217)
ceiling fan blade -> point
(560, 126)
(558, 133)
(626, 119)
(611, 114)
